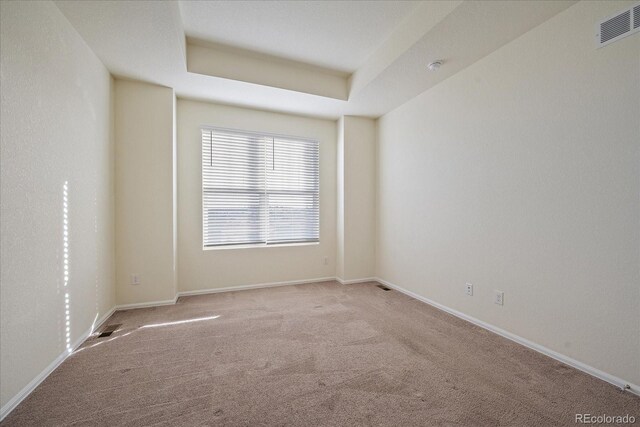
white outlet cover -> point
(468, 289)
(499, 297)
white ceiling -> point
(145, 40)
(339, 35)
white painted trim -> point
(28, 389)
(619, 382)
(354, 281)
(255, 286)
(263, 245)
(146, 304)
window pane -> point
(233, 196)
(259, 189)
(293, 191)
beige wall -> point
(56, 128)
(144, 192)
(207, 269)
(522, 174)
(224, 62)
(356, 198)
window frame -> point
(265, 244)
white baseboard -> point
(254, 286)
(217, 290)
(146, 304)
(354, 281)
(619, 382)
(26, 391)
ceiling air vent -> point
(618, 26)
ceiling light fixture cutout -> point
(435, 65)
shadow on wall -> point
(66, 268)
(65, 265)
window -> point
(259, 189)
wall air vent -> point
(618, 26)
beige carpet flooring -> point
(307, 355)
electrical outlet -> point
(499, 297)
(135, 279)
(325, 260)
(468, 289)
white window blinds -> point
(259, 189)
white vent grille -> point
(618, 26)
(615, 27)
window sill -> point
(284, 245)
